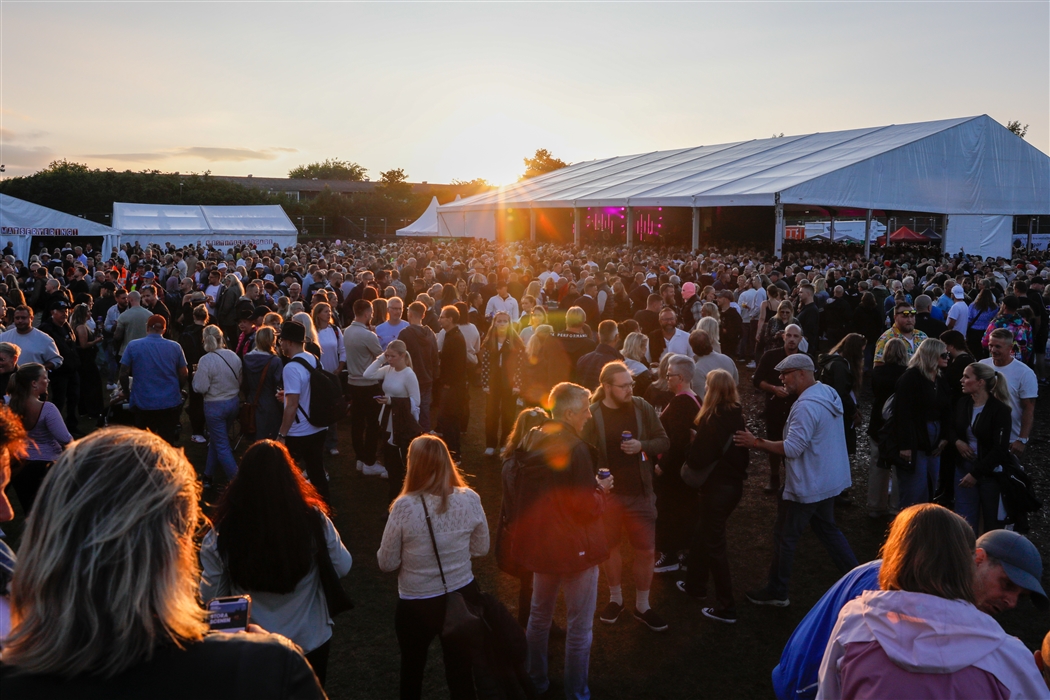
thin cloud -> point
(9, 136)
(208, 153)
(22, 157)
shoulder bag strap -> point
(433, 542)
(262, 378)
(228, 365)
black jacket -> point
(712, 434)
(67, 346)
(589, 367)
(453, 359)
(920, 401)
(422, 347)
(883, 384)
(730, 331)
(222, 666)
(809, 320)
(992, 430)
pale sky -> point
(465, 90)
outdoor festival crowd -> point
(611, 384)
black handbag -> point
(334, 594)
(695, 478)
(463, 620)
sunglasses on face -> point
(945, 355)
(907, 313)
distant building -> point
(299, 189)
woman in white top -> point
(333, 356)
(267, 530)
(218, 379)
(394, 370)
(434, 494)
(310, 345)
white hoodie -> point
(816, 464)
(923, 633)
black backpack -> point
(326, 396)
(889, 448)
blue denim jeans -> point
(792, 520)
(219, 417)
(974, 501)
(581, 598)
(919, 486)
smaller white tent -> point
(426, 225)
(21, 221)
(220, 227)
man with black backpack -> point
(303, 438)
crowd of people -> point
(611, 384)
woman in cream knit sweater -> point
(433, 489)
(218, 379)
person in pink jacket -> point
(921, 636)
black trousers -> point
(318, 659)
(501, 409)
(364, 421)
(454, 403)
(394, 461)
(65, 393)
(676, 510)
(707, 554)
(27, 480)
(163, 422)
(308, 453)
(416, 623)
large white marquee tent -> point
(22, 221)
(972, 169)
(219, 226)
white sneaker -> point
(198, 439)
(360, 465)
(489, 451)
(373, 470)
(383, 474)
(112, 387)
(751, 364)
(333, 451)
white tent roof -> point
(263, 225)
(21, 220)
(971, 165)
(425, 225)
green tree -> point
(330, 169)
(542, 162)
(1015, 126)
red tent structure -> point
(903, 235)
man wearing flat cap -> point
(816, 469)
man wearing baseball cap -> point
(1008, 567)
(816, 469)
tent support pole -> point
(576, 232)
(867, 234)
(532, 225)
(630, 227)
(1031, 221)
(778, 229)
(831, 231)
(696, 228)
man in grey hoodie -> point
(816, 469)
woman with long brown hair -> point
(435, 502)
(48, 434)
(266, 531)
(719, 418)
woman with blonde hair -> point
(537, 370)
(537, 318)
(720, 417)
(766, 311)
(284, 308)
(659, 394)
(980, 431)
(111, 610)
(521, 438)
(921, 635)
(436, 525)
(635, 349)
(218, 379)
(710, 325)
(922, 409)
(400, 412)
(262, 373)
(332, 357)
(310, 345)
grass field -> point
(695, 658)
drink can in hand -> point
(604, 474)
(626, 435)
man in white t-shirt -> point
(1024, 387)
(959, 314)
(304, 440)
